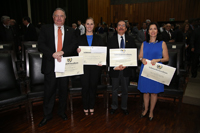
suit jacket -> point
(77, 32)
(30, 33)
(195, 41)
(113, 44)
(97, 41)
(3, 35)
(166, 37)
(141, 36)
(46, 44)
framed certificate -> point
(125, 57)
(73, 66)
(158, 72)
(93, 55)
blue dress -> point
(150, 51)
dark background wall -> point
(138, 12)
(16, 9)
(42, 10)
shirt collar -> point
(56, 27)
(28, 25)
(119, 36)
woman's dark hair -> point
(183, 26)
(159, 36)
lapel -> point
(126, 41)
(116, 42)
(93, 40)
(51, 31)
(85, 40)
(66, 33)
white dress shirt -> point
(82, 29)
(56, 35)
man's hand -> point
(120, 67)
(56, 55)
(59, 59)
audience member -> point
(77, 31)
(195, 44)
(30, 32)
(141, 36)
(135, 29)
(162, 28)
(167, 34)
(99, 29)
(148, 21)
(81, 28)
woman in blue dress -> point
(154, 50)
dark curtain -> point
(42, 10)
(15, 9)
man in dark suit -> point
(120, 73)
(195, 43)
(30, 31)
(167, 34)
(54, 42)
(9, 33)
(141, 36)
(77, 31)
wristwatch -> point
(140, 59)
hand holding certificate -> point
(158, 72)
(72, 66)
(125, 57)
(93, 55)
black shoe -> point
(141, 116)
(64, 117)
(150, 118)
(126, 112)
(43, 122)
(112, 111)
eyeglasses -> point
(62, 16)
(119, 25)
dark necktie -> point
(122, 43)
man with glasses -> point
(167, 34)
(54, 42)
(120, 73)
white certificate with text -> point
(158, 72)
(73, 66)
(93, 55)
(125, 57)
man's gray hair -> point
(59, 9)
(3, 18)
(74, 24)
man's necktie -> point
(169, 35)
(59, 45)
(122, 43)
(145, 34)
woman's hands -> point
(153, 62)
(78, 50)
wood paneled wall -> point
(139, 12)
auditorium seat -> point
(12, 89)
